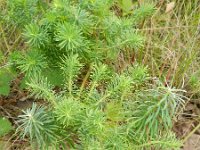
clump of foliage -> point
(39, 125)
(113, 111)
(21, 12)
(91, 29)
(73, 44)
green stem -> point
(103, 98)
(70, 86)
(92, 89)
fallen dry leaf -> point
(170, 7)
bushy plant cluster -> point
(21, 12)
(71, 46)
(113, 111)
(91, 29)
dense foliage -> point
(90, 29)
(115, 111)
(82, 59)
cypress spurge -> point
(71, 45)
(113, 111)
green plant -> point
(111, 112)
(35, 36)
(91, 29)
(22, 12)
(31, 63)
(39, 125)
(155, 110)
(84, 28)
(71, 58)
(14, 15)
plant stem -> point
(4, 38)
(94, 84)
(157, 142)
(84, 82)
(70, 86)
(103, 98)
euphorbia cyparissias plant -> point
(113, 111)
